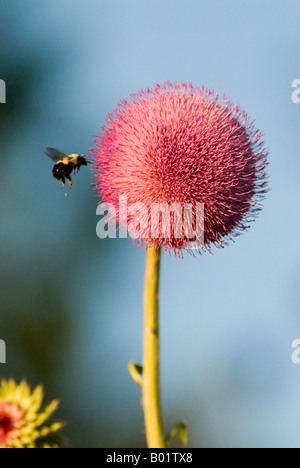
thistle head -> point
(184, 146)
(24, 422)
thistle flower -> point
(178, 144)
(23, 421)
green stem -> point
(151, 380)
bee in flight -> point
(65, 165)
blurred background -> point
(71, 305)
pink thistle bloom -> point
(11, 420)
(184, 145)
(24, 422)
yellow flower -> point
(24, 423)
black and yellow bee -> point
(65, 165)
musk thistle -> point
(24, 422)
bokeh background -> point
(71, 305)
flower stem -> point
(151, 380)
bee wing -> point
(54, 154)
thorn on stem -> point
(179, 430)
(136, 372)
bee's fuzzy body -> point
(65, 165)
(64, 168)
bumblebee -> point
(65, 165)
